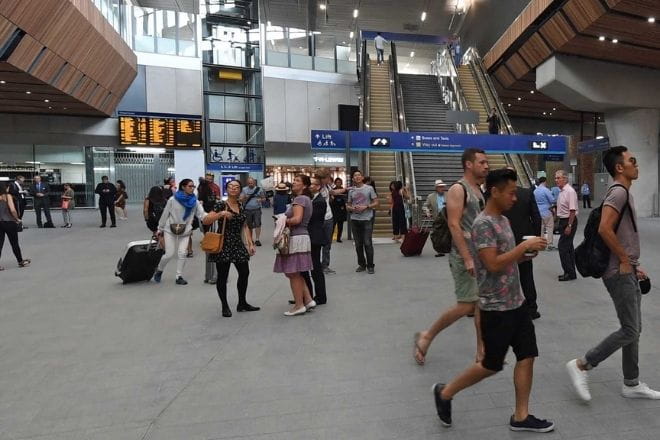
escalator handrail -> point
(406, 165)
(455, 83)
(364, 87)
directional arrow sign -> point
(380, 141)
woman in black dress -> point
(237, 248)
(397, 196)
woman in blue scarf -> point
(175, 227)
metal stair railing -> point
(443, 57)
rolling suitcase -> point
(415, 240)
(140, 261)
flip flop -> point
(417, 348)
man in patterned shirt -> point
(505, 321)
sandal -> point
(24, 263)
(419, 350)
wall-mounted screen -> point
(160, 131)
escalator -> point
(425, 110)
(381, 165)
(476, 102)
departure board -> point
(188, 133)
(162, 132)
(134, 130)
(158, 130)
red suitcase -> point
(414, 241)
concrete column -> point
(638, 129)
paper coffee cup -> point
(529, 254)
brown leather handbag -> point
(213, 242)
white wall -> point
(172, 90)
(294, 107)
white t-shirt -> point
(380, 42)
(325, 193)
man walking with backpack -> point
(464, 202)
(618, 230)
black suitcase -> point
(140, 261)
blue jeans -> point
(627, 299)
(362, 232)
(380, 55)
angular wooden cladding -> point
(531, 12)
(642, 8)
(583, 12)
(69, 45)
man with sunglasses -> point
(618, 229)
(567, 211)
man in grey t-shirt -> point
(621, 280)
(362, 200)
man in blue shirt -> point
(545, 201)
(586, 195)
(251, 197)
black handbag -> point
(19, 227)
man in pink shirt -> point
(567, 210)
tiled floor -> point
(83, 357)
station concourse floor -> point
(84, 357)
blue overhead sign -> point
(240, 167)
(594, 145)
(433, 142)
(329, 139)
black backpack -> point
(592, 256)
(440, 233)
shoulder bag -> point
(213, 242)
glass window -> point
(187, 35)
(277, 46)
(223, 85)
(166, 32)
(144, 27)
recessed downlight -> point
(46, 100)
(651, 20)
(322, 6)
(531, 91)
(351, 35)
(28, 92)
(3, 82)
(355, 13)
(601, 38)
(615, 40)
(423, 15)
(412, 53)
(519, 98)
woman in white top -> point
(175, 226)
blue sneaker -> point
(158, 275)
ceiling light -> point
(46, 100)
(651, 20)
(423, 16)
(412, 53)
(355, 13)
(322, 6)
(531, 91)
(64, 108)
(249, 22)
(554, 108)
(28, 92)
(601, 38)
(544, 113)
(509, 105)
(550, 113)
(343, 42)
(351, 35)
(614, 40)
(519, 98)
(3, 82)
(50, 107)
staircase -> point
(382, 166)
(426, 111)
(475, 103)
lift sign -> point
(539, 145)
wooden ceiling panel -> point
(626, 29)
(68, 47)
(618, 53)
(504, 76)
(643, 8)
(535, 51)
(25, 53)
(557, 31)
(517, 66)
(583, 12)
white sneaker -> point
(640, 391)
(580, 380)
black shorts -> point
(501, 330)
(253, 218)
